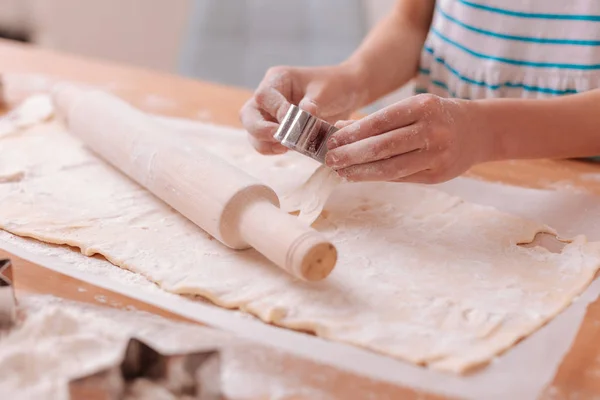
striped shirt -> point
(511, 48)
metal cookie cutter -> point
(191, 375)
(8, 301)
(304, 133)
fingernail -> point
(332, 143)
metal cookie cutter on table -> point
(189, 375)
(8, 301)
(304, 133)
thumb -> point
(309, 105)
(325, 103)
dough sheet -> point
(422, 276)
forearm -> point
(562, 127)
(389, 56)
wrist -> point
(481, 131)
(357, 77)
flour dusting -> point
(59, 340)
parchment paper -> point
(520, 373)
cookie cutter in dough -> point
(142, 368)
(304, 133)
(8, 300)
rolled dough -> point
(422, 276)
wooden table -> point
(179, 97)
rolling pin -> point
(220, 198)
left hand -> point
(422, 139)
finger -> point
(375, 148)
(272, 95)
(256, 124)
(395, 116)
(326, 110)
(266, 148)
(425, 176)
(344, 123)
(387, 170)
(328, 113)
(273, 102)
(278, 148)
(328, 101)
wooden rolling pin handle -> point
(215, 195)
(302, 252)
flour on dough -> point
(422, 276)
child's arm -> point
(562, 127)
(389, 56)
(428, 139)
(386, 60)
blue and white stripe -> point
(511, 48)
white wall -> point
(377, 9)
(235, 42)
(148, 33)
(14, 14)
(197, 37)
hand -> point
(331, 93)
(423, 139)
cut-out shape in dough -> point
(547, 241)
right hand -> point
(330, 93)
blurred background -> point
(231, 42)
